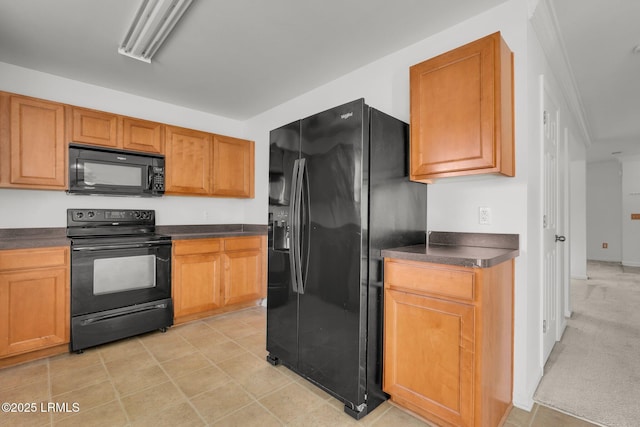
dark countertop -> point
(462, 249)
(22, 238)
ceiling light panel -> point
(150, 27)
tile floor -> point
(208, 372)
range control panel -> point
(91, 217)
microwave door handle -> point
(150, 177)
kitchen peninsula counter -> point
(481, 250)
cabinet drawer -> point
(242, 243)
(196, 246)
(33, 258)
(428, 278)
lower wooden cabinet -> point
(211, 275)
(448, 346)
(34, 300)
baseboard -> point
(525, 401)
(579, 277)
(630, 264)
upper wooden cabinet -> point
(115, 131)
(200, 163)
(462, 112)
(142, 135)
(188, 161)
(95, 127)
(32, 143)
(233, 172)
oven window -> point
(110, 174)
(123, 274)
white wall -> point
(604, 210)
(29, 208)
(630, 205)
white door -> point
(551, 267)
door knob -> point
(560, 238)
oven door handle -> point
(122, 246)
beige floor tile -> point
(223, 351)
(314, 389)
(70, 362)
(123, 349)
(547, 417)
(216, 403)
(374, 415)
(263, 381)
(172, 347)
(33, 372)
(29, 392)
(87, 397)
(151, 400)
(124, 367)
(108, 415)
(210, 339)
(80, 378)
(255, 343)
(520, 417)
(324, 416)
(25, 419)
(186, 364)
(242, 366)
(194, 330)
(253, 415)
(182, 415)
(139, 379)
(237, 331)
(397, 417)
(202, 380)
(290, 401)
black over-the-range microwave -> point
(105, 171)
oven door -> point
(110, 276)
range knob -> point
(91, 214)
(79, 215)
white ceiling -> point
(238, 58)
(599, 38)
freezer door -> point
(332, 322)
(282, 296)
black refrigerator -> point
(339, 192)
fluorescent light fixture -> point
(152, 24)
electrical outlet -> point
(484, 216)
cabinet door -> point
(461, 111)
(196, 283)
(32, 143)
(34, 309)
(187, 161)
(142, 135)
(233, 167)
(429, 354)
(243, 277)
(95, 127)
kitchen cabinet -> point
(187, 161)
(462, 112)
(34, 300)
(94, 127)
(233, 172)
(244, 269)
(200, 163)
(32, 143)
(217, 274)
(115, 131)
(448, 341)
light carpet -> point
(594, 371)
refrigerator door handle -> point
(305, 241)
(293, 247)
(297, 229)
